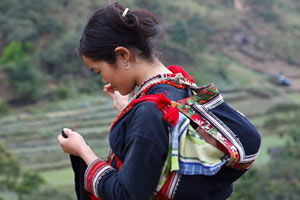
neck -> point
(146, 70)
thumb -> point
(66, 132)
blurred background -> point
(250, 49)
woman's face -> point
(120, 79)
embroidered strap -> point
(168, 190)
(197, 108)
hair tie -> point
(125, 12)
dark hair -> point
(108, 29)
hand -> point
(74, 144)
(120, 101)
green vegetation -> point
(22, 72)
(4, 108)
(26, 185)
(44, 85)
(279, 179)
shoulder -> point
(172, 92)
(146, 121)
(146, 113)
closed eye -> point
(92, 69)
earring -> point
(127, 66)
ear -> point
(124, 53)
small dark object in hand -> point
(63, 134)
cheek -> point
(126, 87)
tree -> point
(27, 20)
(9, 169)
(22, 71)
(30, 182)
(280, 178)
(28, 185)
(178, 33)
(265, 9)
(154, 6)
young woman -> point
(116, 44)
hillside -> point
(44, 86)
(203, 36)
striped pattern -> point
(198, 109)
(185, 164)
(192, 167)
(177, 131)
(168, 191)
(93, 175)
(225, 130)
(170, 78)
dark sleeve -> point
(146, 150)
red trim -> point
(93, 197)
(162, 195)
(92, 172)
(223, 148)
(177, 69)
(111, 159)
(119, 162)
(242, 166)
(143, 94)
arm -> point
(146, 148)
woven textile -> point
(191, 154)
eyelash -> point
(96, 72)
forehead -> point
(89, 62)
(99, 65)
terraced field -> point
(32, 137)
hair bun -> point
(138, 20)
(108, 29)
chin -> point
(122, 92)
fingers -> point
(66, 132)
(60, 138)
(109, 91)
(72, 143)
(107, 86)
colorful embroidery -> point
(176, 80)
(208, 98)
(168, 190)
(191, 154)
(93, 175)
(181, 160)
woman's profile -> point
(157, 151)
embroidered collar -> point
(177, 80)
